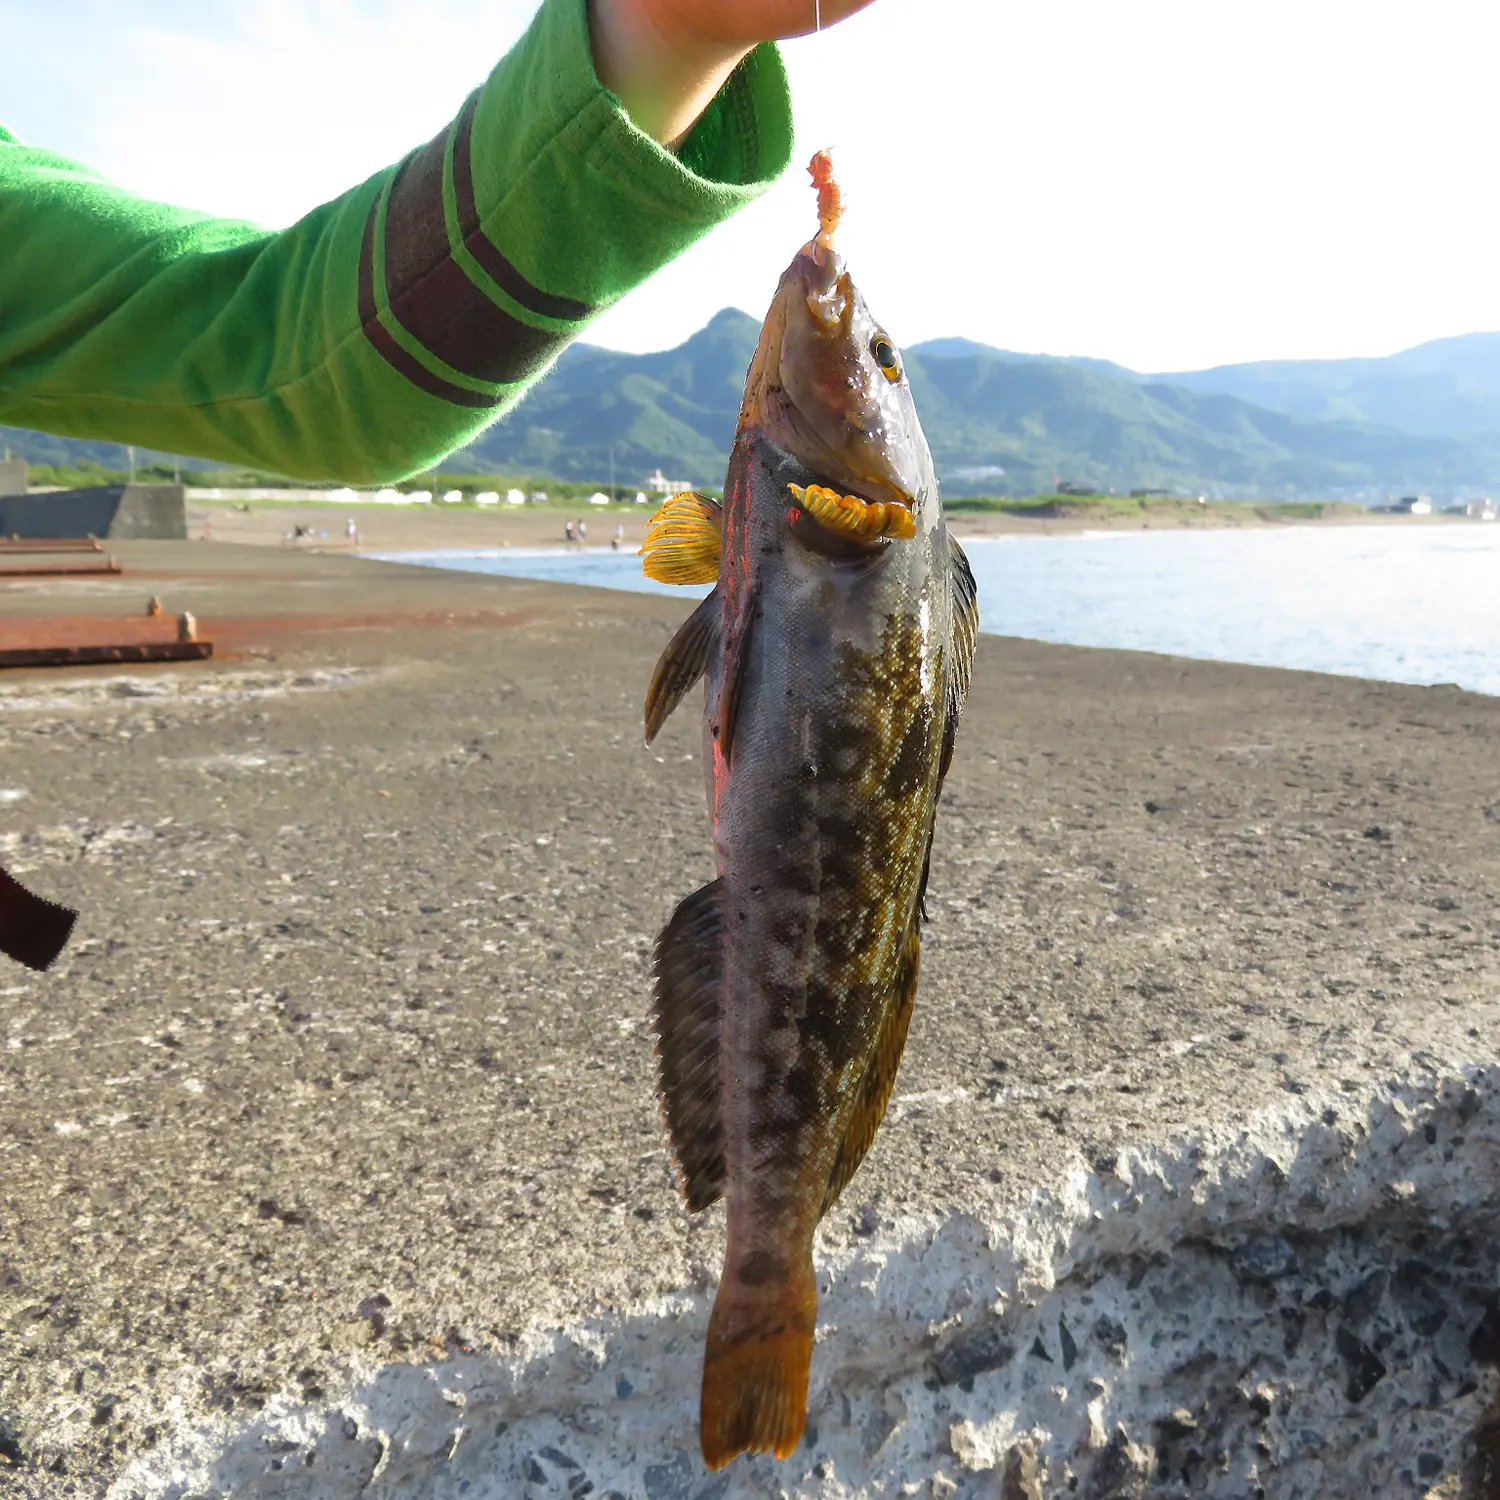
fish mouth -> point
(833, 521)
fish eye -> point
(885, 356)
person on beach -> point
(568, 530)
(390, 326)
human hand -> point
(666, 59)
(736, 24)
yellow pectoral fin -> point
(684, 540)
(850, 514)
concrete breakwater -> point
(1302, 1304)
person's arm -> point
(390, 326)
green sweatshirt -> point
(387, 327)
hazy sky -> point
(1167, 183)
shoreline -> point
(433, 527)
(1088, 600)
(1024, 531)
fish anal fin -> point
(33, 931)
(873, 1092)
(689, 984)
(756, 1364)
(685, 540)
(682, 663)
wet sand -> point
(348, 1059)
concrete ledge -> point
(1306, 1289)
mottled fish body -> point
(836, 651)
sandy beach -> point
(332, 1165)
(388, 528)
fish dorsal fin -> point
(33, 930)
(682, 663)
(873, 1092)
(689, 984)
(685, 540)
(965, 633)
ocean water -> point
(1398, 603)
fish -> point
(836, 651)
(33, 930)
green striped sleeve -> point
(392, 325)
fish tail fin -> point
(755, 1368)
(32, 931)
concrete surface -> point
(331, 1161)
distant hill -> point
(1006, 423)
(673, 410)
(1446, 388)
(998, 423)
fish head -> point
(828, 386)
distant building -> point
(12, 475)
(1415, 505)
(1482, 509)
(657, 483)
(1148, 494)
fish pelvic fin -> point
(33, 931)
(689, 986)
(685, 540)
(683, 662)
(756, 1364)
(873, 1092)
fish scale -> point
(835, 651)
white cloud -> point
(1171, 183)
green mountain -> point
(1447, 388)
(998, 423)
(1004, 423)
(1044, 420)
